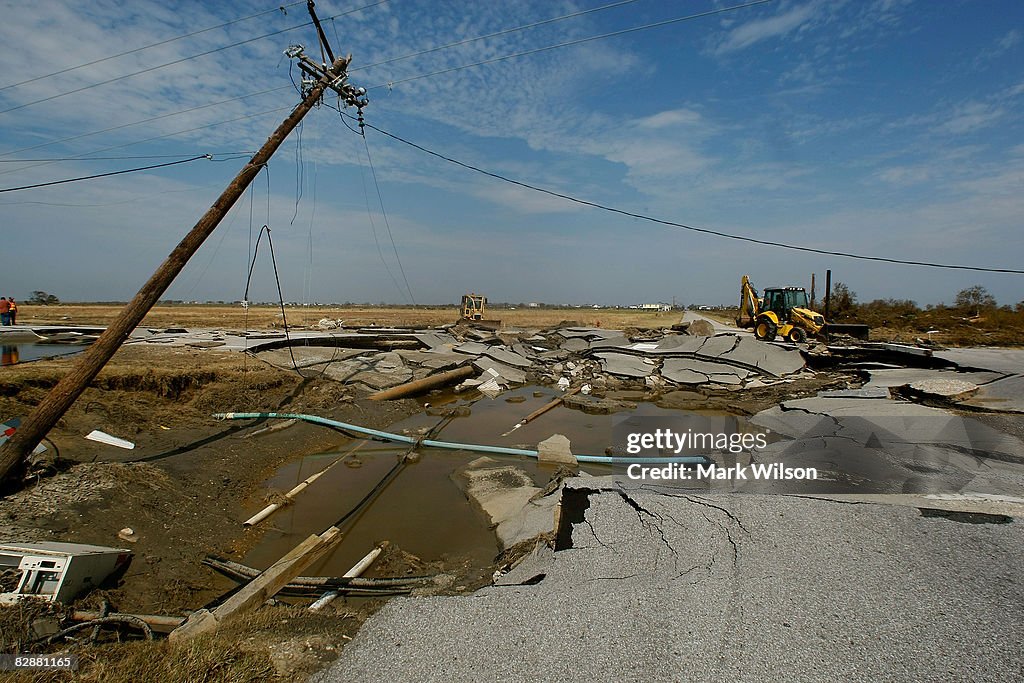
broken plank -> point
(260, 589)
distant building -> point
(655, 307)
(533, 304)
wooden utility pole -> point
(62, 396)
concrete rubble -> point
(887, 446)
(555, 450)
(517, 508)
(377, 358)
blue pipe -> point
(500, 450)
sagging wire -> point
(373, 225)
(387, 223)
(684, 226)
(380, 198)
(277, 279)
(299, 174)
(208, 157)
(307, 290)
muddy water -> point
(422, 510)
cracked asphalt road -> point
(676, 586)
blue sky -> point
(883, 127)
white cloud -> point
(1007, 42)
(755, 31)
(970, 117)
(905, 175)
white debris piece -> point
(103, 437)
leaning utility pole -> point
(62, 396)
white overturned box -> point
(55, 571)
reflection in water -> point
(9, 354)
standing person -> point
(5, 311)
(13, 312)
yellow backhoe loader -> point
(473, 307)
(784, 311)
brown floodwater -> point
(422, 510)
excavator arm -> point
(750, 304)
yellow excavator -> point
(473, 307)
(784, 311)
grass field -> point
(258, 317)
(945, 326)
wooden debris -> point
(260, 589)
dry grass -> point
(260, 317)
(280, 643)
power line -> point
(166, 135)
(394, 59)
(569, 43)
(387, 223)
(373, 228)
(282, 8)
(105, 175)
(706, 231)
(271, 90)
(121, 158)
(494, 35)
(141, 121)
(182, 59)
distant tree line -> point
(41, 298)
(973, 301)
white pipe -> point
(357, 569)
(274, 507)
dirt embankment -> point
(188, 483)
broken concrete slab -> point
(524, 351)
(617, 342)
(506, 494)
(679, 343)
(472, 348)
(555, 451)
(767, 358)
(434, 340)
(307, 356)
(378, 371)
(897, 377)
(513, 375)
(575, 344)
(943, 389)
(884, 446)
(1004, 395)
(588, 332)
(1005, 361)
(863, 392)
(624, 365)
(435, 360)
(503, 355)
(692, 371)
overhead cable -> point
(105, 175)
(683, 226)
(177, 61)
(166, 41)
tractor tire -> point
(765, 329)
(797, 335)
